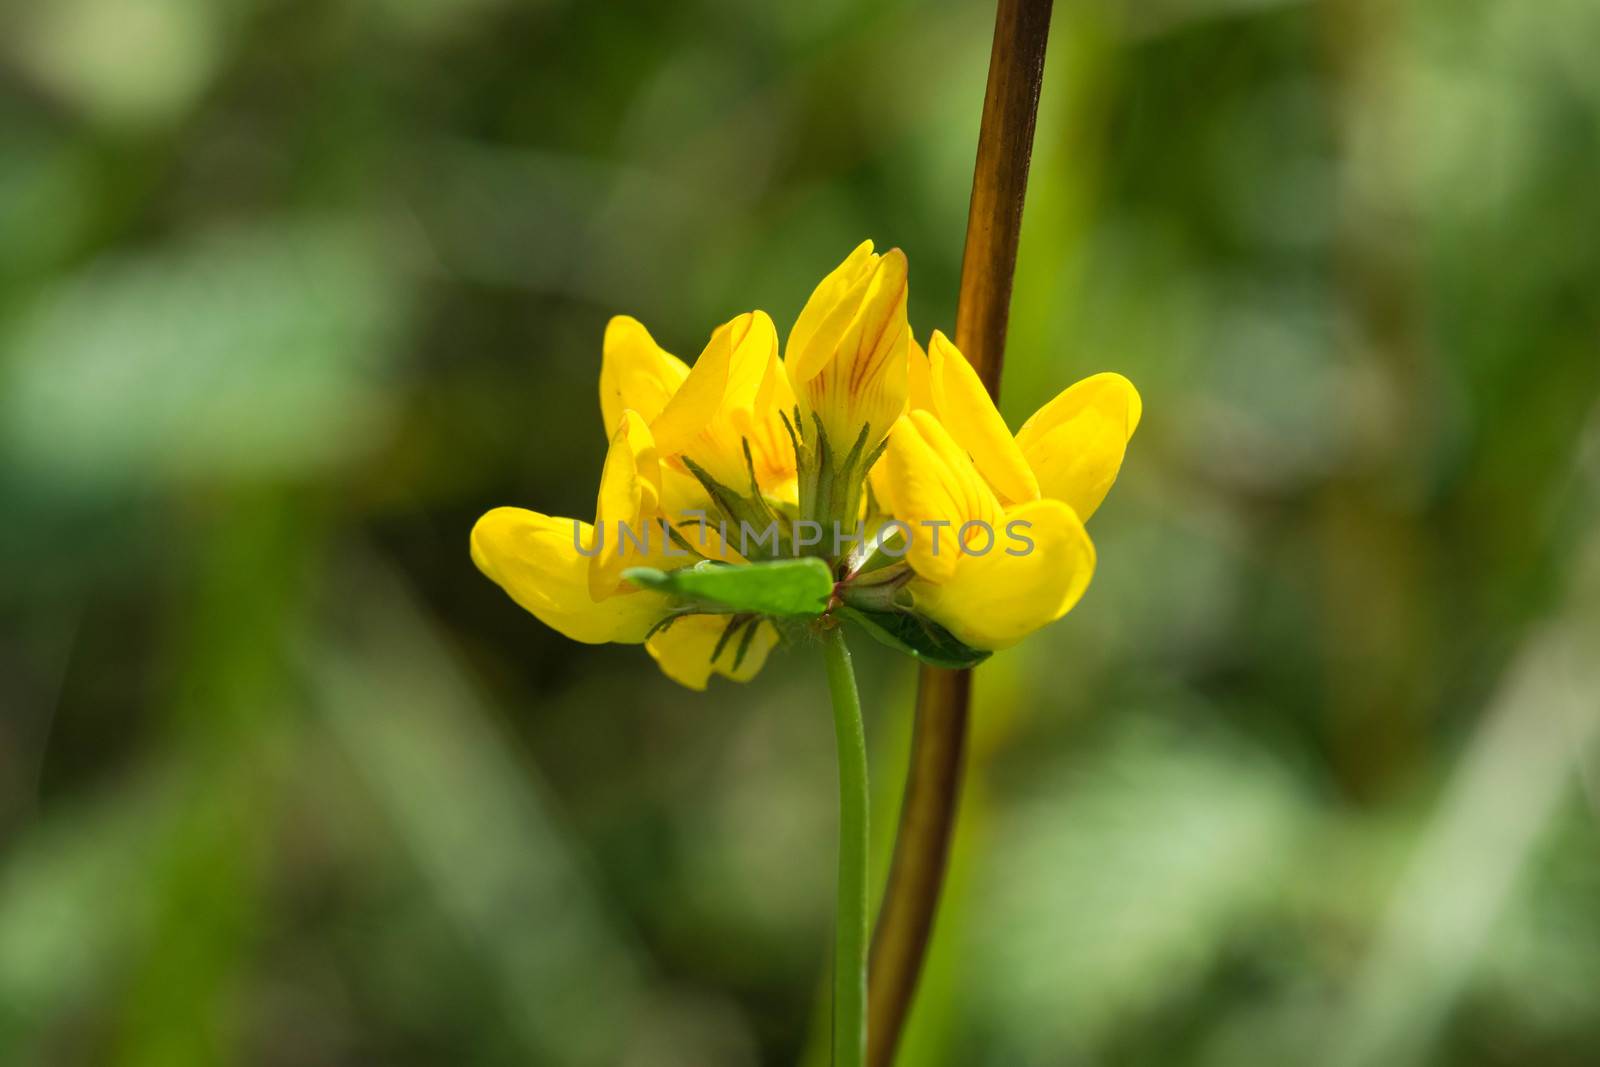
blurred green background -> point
(291, 291)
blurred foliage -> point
(290, 292)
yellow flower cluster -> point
(856, 428)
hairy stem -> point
(938, 747)
(850, 923)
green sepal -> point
(784, 587)
(922, 639)
(734, 622)
(745, 642)
(741, 512)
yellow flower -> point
(953, 460)
(733, 397)
(846, 355)
(989, 573)
(744, 441)
(568, 573)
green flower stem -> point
(850, 922)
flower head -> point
(720, 476)
(570, 574)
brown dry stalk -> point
(939, 737)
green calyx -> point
(785, 588)
(794, 581)
(831, 485)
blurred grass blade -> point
(61, 932)
(1520, 766)
(1112, 885)
(250, 355)
(492, 849)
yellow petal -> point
(969, 414)
(626, 510)
(714, 384)
(996, 599)
(699, 398)
(1075, 443)
(883, 483)
(919, 382)
(804, 357)
(636, 373)
(734, 395)
(683, 650)
(936, 491)
(919, 397)
(847, 354)
(762, 423)
(536, 559)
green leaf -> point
(797, 587)
(920, 638)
